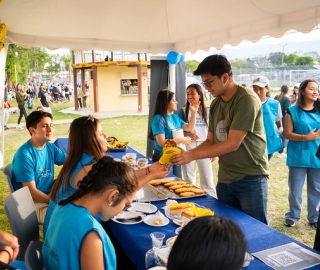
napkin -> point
(160, 216)
(178, 133)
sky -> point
(291, 42)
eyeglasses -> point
(90, 117)
(127, 205)
(207, 83)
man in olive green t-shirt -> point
(237, 136)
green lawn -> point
(134, 130)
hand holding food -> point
(170, 149)
(160, 172)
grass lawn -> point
(134, 130)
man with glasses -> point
(237, 136)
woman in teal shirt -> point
(303, 132)
(164, 121)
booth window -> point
(129, 86)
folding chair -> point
(8, 174)
(33, 257)
(23, 219)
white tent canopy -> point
(152, 26)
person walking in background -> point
(236, 135)
(164, 121)
(272, 115)
(80, 95)
(295, 95)
(5, 114)
(21, 100)
(285, 104)
(85, 94)
(198, 135)
(302, 129)
(42, 98)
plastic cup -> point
(157, 239)
(131, 156)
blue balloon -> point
(182, 57)
(173, 57)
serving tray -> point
(171, 195)
(150, 194)
(110, 139)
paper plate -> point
(145, 208)
(127, 215)
(171, 240)
(152, 220)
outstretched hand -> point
(159, 171)
(194, 105)
(181, 159)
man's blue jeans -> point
(249, 195)
(295, 182)
(176, 170)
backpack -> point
(30, 103)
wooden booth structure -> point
(114, 85)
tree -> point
(66, 59)
(290, 59)
(53, 66)
(304, 60)
(21, 62)
(275, 58)
(191, 66)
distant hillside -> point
(251, 50)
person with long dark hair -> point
(198, 135)
(108, 189)
(87, 144)
(208, 243)
(285, 104)
(164, 121)
(302, 129)
(21, 100)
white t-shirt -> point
(201, 129)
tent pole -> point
(172, 78)
(3, 59)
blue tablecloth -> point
(135, 239)
(63, 144)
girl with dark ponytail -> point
(107, 190)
